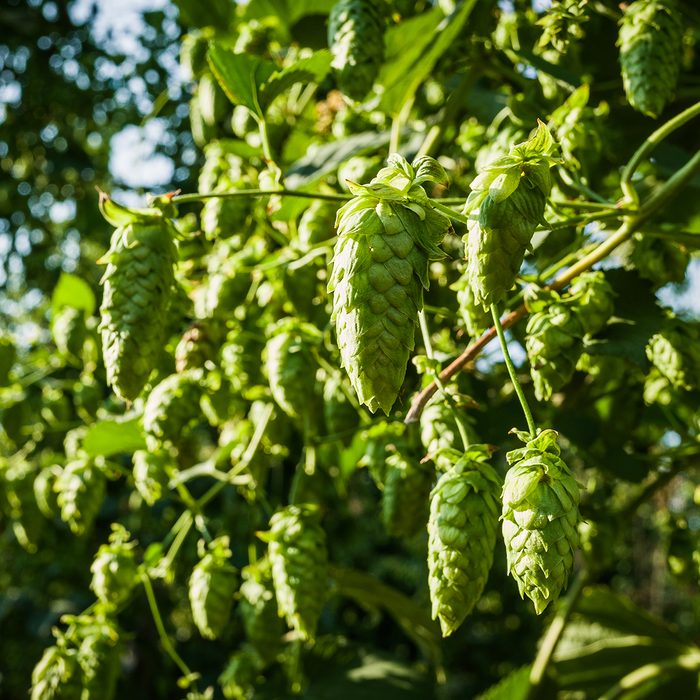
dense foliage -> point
(251, 445)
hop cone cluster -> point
(462, 530)
(171, 407)
(57, 676)
(562, 23)
(297, 551)
(136, 295)
(439, 431)
(356, 39)
(592, 296)
(387, 234)
(675, 353)
(81, 489)
(405, 497)
(651, 47)
(212, 587)
(508, 198)
(114, 570)
(258, 608)
(540, 519)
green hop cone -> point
(151, 474)
(356, 39)
(592, 296)
(339, 414)
(225, 217)
(462, 531)
(379, 441)
(114, 569)
(508, 198)
(540, 519)
(406, 493)
(20, 504)
(8, 357)
(171, 408)
(136, 295)
(659, 260)
(317, 224)
(44, 491)
(81, 490)
(258, 608)
(476, 318)
(239, 357)
(195, 347)
(69, 331)
(212, 587)
(99, 658)
(554, 343)
(562, 23)
(297, 552)
(57, 675)
(237, 680)
(651, 48)
(439, 431)
(387, 234)
(675, 353)
(291, 368)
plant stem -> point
(648, 145)
(158, 620)
(556, 628)
(449, 212)
(199, 197)
(512, 372)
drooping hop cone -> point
(380, 440)
(99, 655)
(439, 431)
(651, 47)
(57, 676)
(592, 297)
(462, 530)
(476, 318)
(212, 586)
(675, 352)
(114, 569)
(356, 39)
(406, 495)
(554, 344)
(659, 260)
(151, 474)
(540, 519)
(81, 489)
(387, 234)
(507, 200)
(297, 552)
(136, 295)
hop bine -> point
(540, 519)
(387, 234)
(507, 202)
(136, 296)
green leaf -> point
(513, 687)
(109, 437)
(74, 291)
(285, 11)
(241, 76)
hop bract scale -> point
(387, 234)
(540, 519)
(297, 552)
(136, 294)
(462, 531)
(505, 206)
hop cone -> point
(57, 676)
(562, 23)
(509, 196)
(44, 492)
(356, 39)
(225, 217)
(379, 440)
(554, 346)
(212, 586)
(476, 318)
(659, 260)
(297, 551)
(405, 497)
(291, 369)
(317, 224)
(462, 529)
(171, 408)
(651, 46)
(592, 296)
(99, 658)
(151, 474)
(114, 570)
(386, 237)
(439, 431)
(136, 295)
(675, 352)
(238, 678)
(195, 347)
(339, 414)
(540, 519)
(81, 489)
(8, 357)
(258, 608)
(69, 331)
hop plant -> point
(592, 296)
(508, 198)
(317, 224)
(674, 352)
(462, 531)
(554, 342)
(297, 552)
(58, 675)
(658, 260)
(651, 47)
(476, 318)
(405, 496)
(44, 492)
(562, 23)
(212, 587)
(114, 570)
(225, 217)
(136, 295)
(151, 474)
(97, 641)
(69, 331)
(238, 678)
(356, 39)
(339, 414)
(387, 234)
(379, 441)
(196, 347)
(540, 519)
(81, 489)
(258, 608)
(171, 408)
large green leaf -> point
(73, 291)
(514, 686)
(109, 437)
